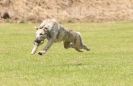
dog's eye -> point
(41, 27)
(41, 34)
(46, 28)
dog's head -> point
(41, 35)
(43, 31)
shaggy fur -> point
(54, 32)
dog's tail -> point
(80, 42)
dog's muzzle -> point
(37, 41)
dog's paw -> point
(41, 52)
(88, 49)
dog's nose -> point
(37, 41)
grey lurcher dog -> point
(54, 32)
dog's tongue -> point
(34, 48)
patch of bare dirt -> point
(66, 10)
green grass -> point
(109, 63)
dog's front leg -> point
(48, 45)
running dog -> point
(54, 32)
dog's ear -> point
(38, 27)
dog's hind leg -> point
(78, 50)
(82, 45)
(85, 47)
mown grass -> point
(109, 63)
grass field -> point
(109, 63)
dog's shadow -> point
(67, 65)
